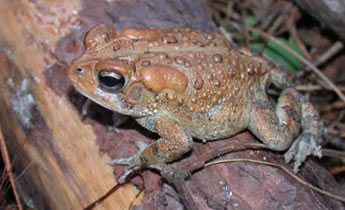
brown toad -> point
(183, 83)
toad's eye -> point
(111, 81)
(79, 69)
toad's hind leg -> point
(277, 128)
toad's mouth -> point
(113, 102)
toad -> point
(183, 83)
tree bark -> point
(330, 13)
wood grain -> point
(330, 13)
(42, 129)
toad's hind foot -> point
(303, 146)
(278, 127)
(309, 141)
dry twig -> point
(337, 197)
(302, 59)
(338, 170)
(330, 52)
(8, 169)
(312, 87)
(333, 153)
(107, 194)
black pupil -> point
(79, 69)
(110, 80)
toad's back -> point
(195, 78)
(214, 102)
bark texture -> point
(331, 13)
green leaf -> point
(257, 46)
(249, 21)
(279, 54)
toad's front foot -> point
(305, 145)
(173, 144)
(132, 162)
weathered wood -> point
(43, 131)
(331, 13)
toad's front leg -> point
(174, 142)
